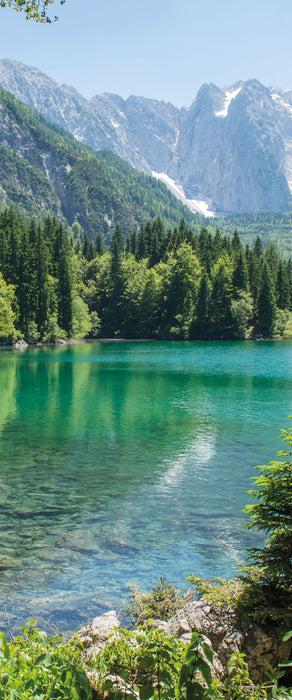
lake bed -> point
(123, 462)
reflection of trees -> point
(84, 432)
(7, 386)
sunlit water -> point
(122, 462)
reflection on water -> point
(120, 462)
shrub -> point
(160, 603)
(33, 667)
(272, 513)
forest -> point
(164, 284)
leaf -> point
(146, 691)
(107, 684)
(205, 671)
(287, 636)
(4, 646)
(146, 661)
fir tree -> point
(266, 303)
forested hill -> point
(44, 169)
(167, 284)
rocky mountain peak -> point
(231, 149)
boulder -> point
(229, 632)
(20, 345)
(95, 635)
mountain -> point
(229, 152)
(43, 168)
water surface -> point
(124, 461)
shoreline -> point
(59, 342)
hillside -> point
(43, 168)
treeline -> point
(158, 284)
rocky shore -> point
(226, 631)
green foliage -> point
(52, 330)
(33, 667)
(185, 287)
(238, 684)
(271, 512)
(265, 302)
(7, 314)
(160, 603)
(219, 591)
(36, 10)
(81, 320)
(148, 664)
(245, 593)
(242, 314)
(269, 226)
(287, 332)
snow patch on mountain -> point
(229, 96)
(279, 100)
(198, 206)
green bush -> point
(33, 667)
(146, 664)
(271, 512)
(160, 603)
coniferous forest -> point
(164, 284)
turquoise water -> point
(122, 461)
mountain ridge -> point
(229, 152)
(44, 169)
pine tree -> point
(99, 245)
(64, 275)
(266, 303)
(221, 297)
(199, 328)
(240, 274)
(282, 288)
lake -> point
(124, 461)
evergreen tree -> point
(117, 245)
(141, 248)
(221, 297)
(88, 250)
(282, 287)
(255, 264)
(99, 244)
(200, 325)
(240, 274)
(266, 303)
(133, 242)
(64, 275)
(181, 278)
(205, 250)
(270, 512)
(271, 255)
(236, 243)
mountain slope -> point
(43, 168)
(231, 150)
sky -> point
(162, 49)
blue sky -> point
(163, 49)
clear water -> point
(121, 462)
